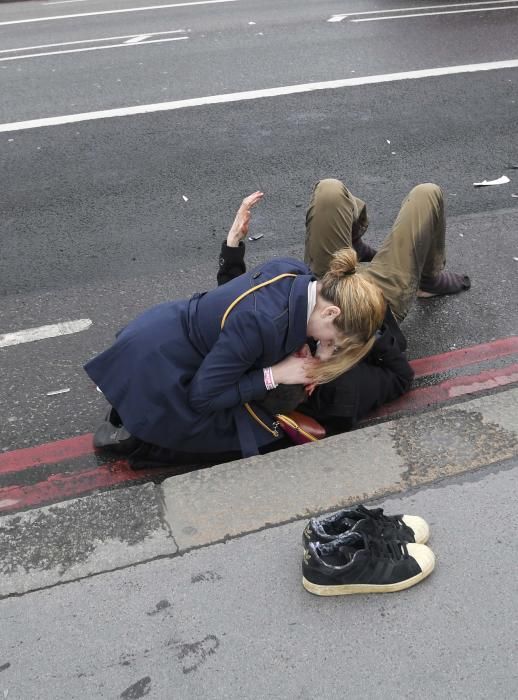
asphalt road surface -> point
(106, 216)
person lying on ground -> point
(409, 264)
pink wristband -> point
(269, 381)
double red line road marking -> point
(71, 482)
(463, 385)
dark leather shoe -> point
(117, 439)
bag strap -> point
(250, 291)
(272, 431)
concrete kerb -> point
(229, 500)
(115, 529)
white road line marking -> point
(92, 48)
(431, 14)
(255, 94)
(88, 41)
(51, 331)
(137, 39)
(339, 18)
(116, 12)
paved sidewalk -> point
(77, 538)
(232, 621)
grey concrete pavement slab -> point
(211, 505)
(77, 538)
(232, 621)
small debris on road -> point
(255, 238)
(58, 391)
(185, 199)
(501, 181)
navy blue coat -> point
(177, 380)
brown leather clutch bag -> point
(300, 428)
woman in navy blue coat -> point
(183, 374)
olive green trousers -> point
(413, 250)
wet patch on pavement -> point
(83, 536)
(138, 689)
(192, 655)
(159, 607)
(206, 576)
(436, 447)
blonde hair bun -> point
(343, 263)
(362, 308)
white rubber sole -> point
(420, 552)
(419, 526)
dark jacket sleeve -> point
(225, 378)
(382, 376)
(231, 263)
(391, 374)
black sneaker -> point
(357, 563)
(406, 528)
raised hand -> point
(239, 228)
